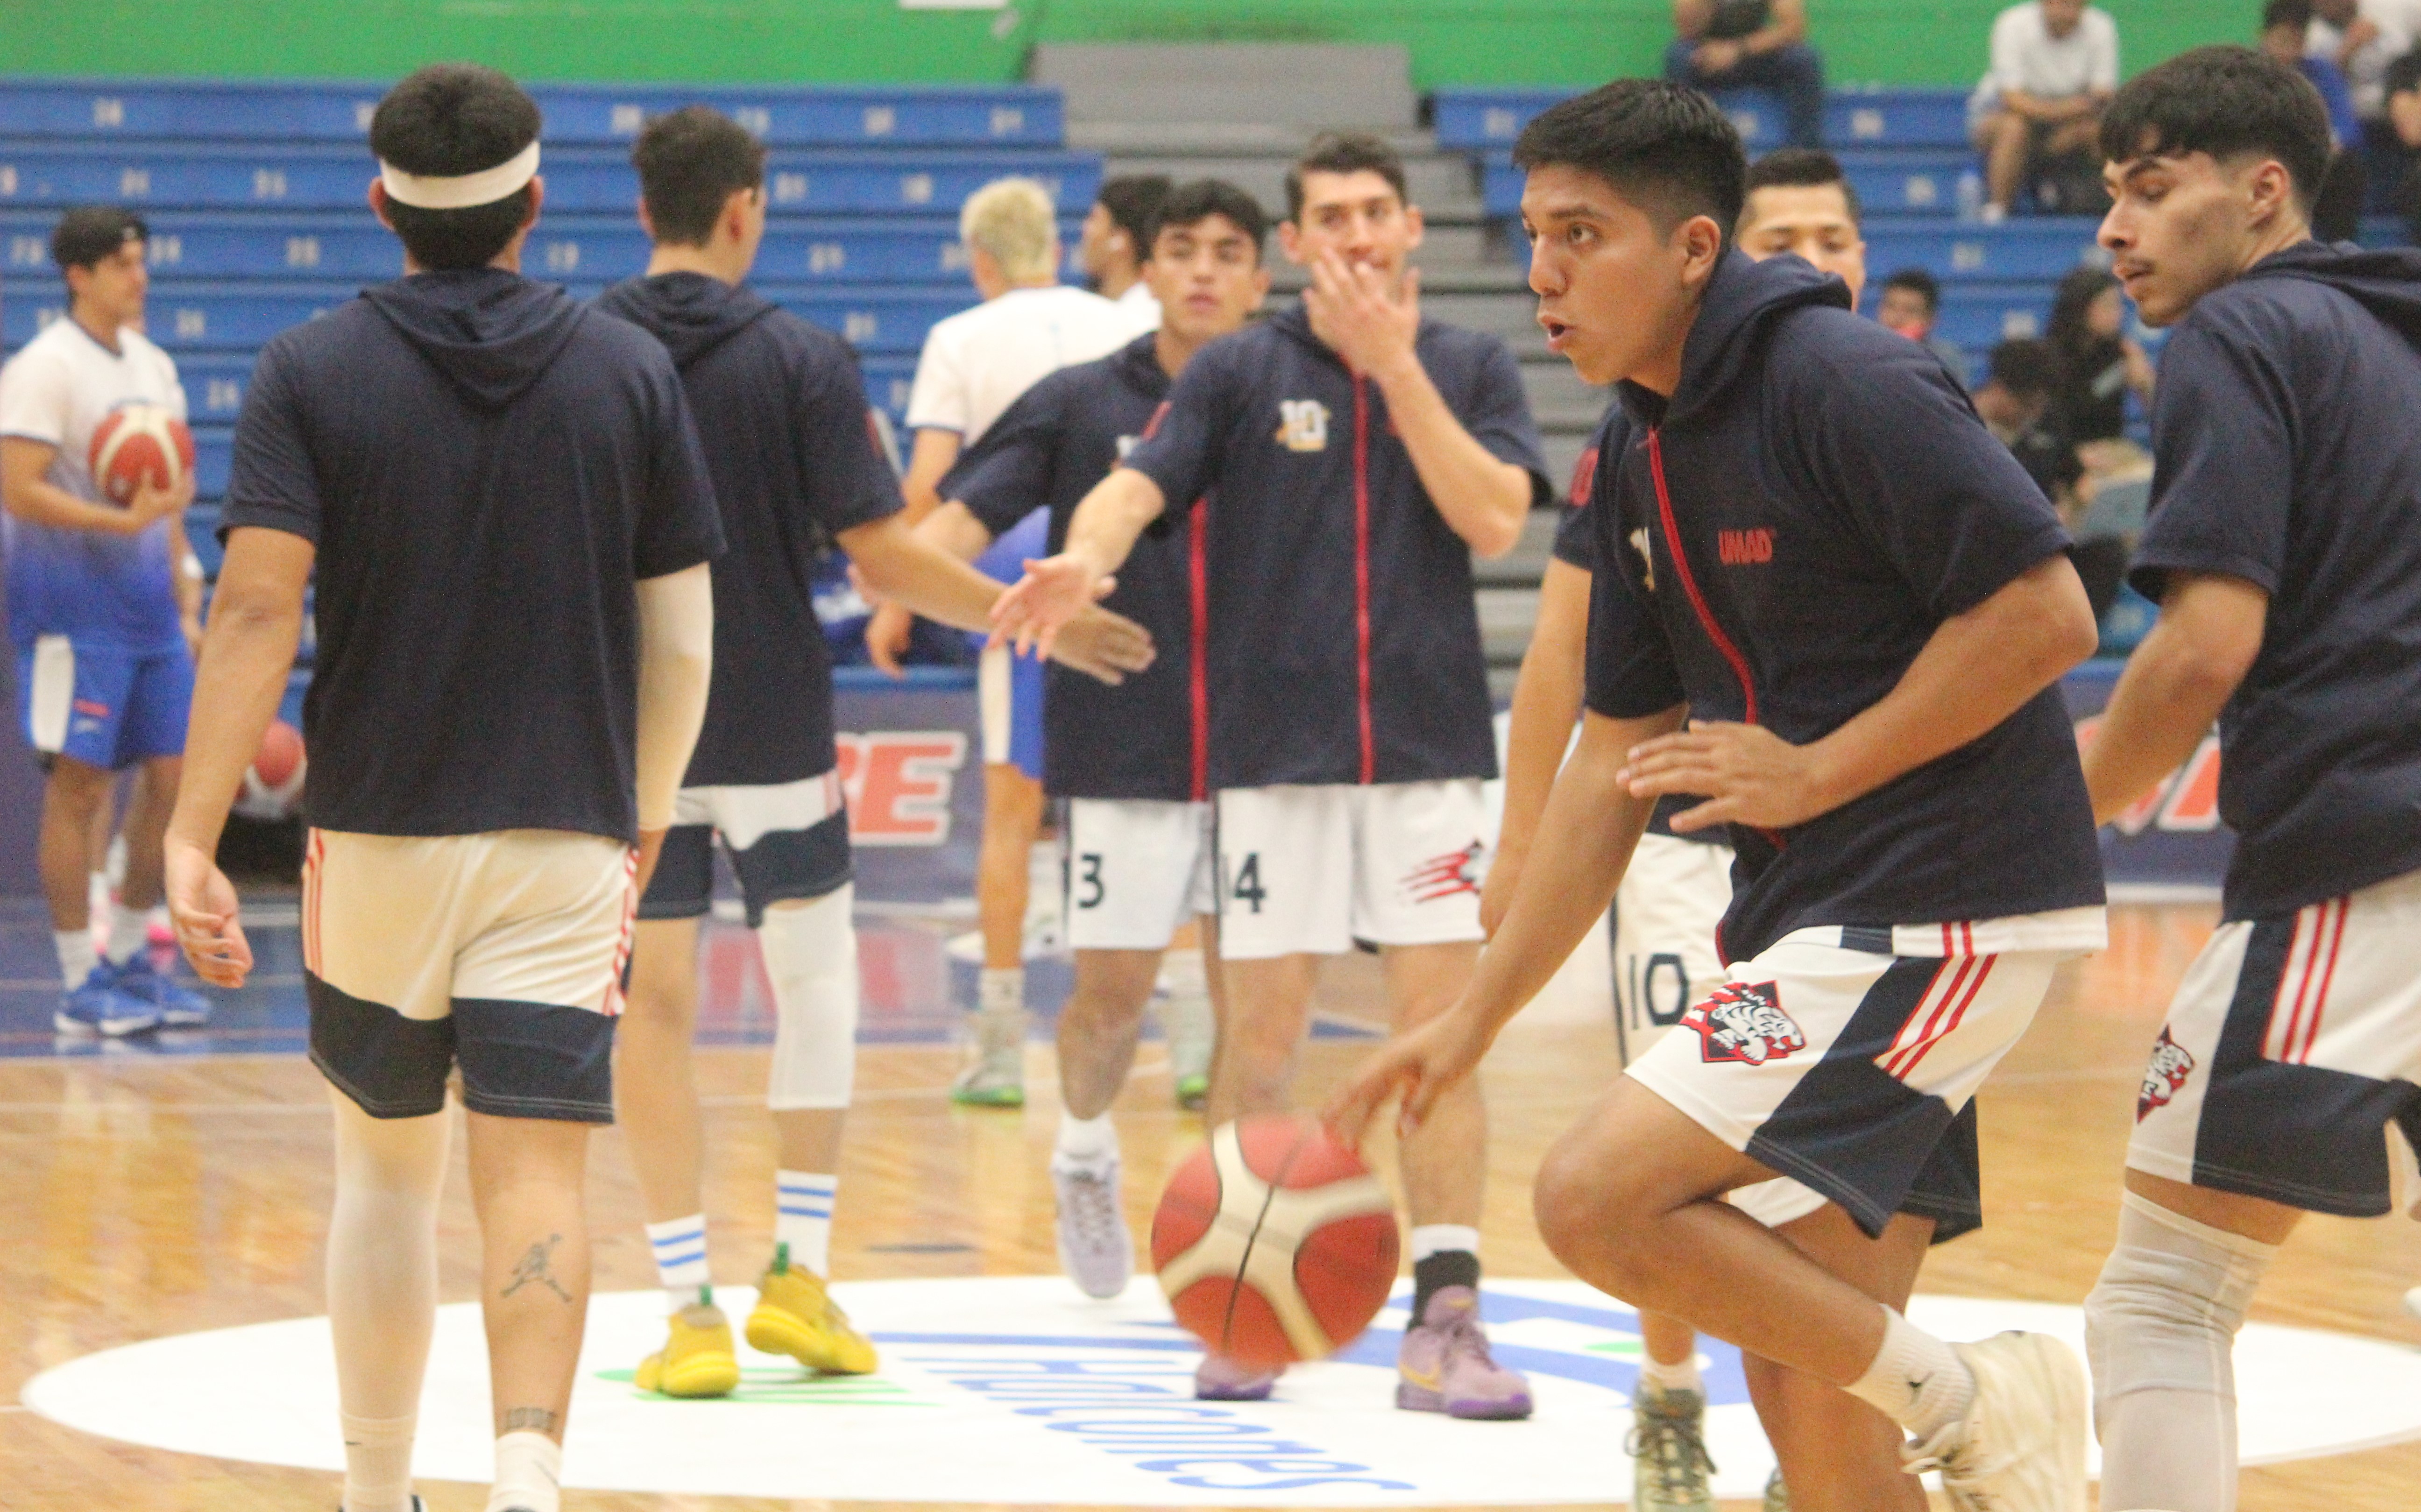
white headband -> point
(462, 191)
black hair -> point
(1920, 283)
(2226, 102)
(2026, 367)
(1189, 204)
(691, 162)
(2068, 332)
(2295, 13)
(89, 233)
(1665, 147)
(1800, 168)
(1133, 200)
(449, 119)
(1346, 152)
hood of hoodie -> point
(490, 332)
(1743, 301)
(2387, 283)
(690, 313)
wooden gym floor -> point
(148, 1195)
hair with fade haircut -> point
(1920, 283)
(2228, 102)
(446, 120)
(89, 233)
(691, 162)
(1190, 204)
(2027, 368)
(1665, 147)
(1133, 200)
(1346, 152)
(1012, 220)
(1800, 168)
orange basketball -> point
(137, 443)
(1273, 1242)
(273, 785)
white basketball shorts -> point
(1309, 870)
(1139, 869)
(503, 953)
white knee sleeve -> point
(811, 961)
(2161, 1329)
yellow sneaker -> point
(699, 1359)
(796, 1316)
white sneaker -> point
(2413, 1302)
(2021, 1448)
(1095, 1248)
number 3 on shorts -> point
(1247, 886)
(1090, 879)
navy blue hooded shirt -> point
(1817, 497)
(782, 413)
(2285, 453)
(486, 469)
(1344, 643)
(1146, 738)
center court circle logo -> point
(1016, 1390)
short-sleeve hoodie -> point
(782, 414)
(487, 468)
(1817, 497)
(2284, 454)
(1344, 636)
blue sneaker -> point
(98, 1008)
(179, 1006)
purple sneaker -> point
(1444, 1365)
(1217, 1379)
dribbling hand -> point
(202, 904)
(1422, 1063)
(1030, 612)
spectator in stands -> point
(1912, 305)
(2336, 210)
(1117, 232)
(2015, 402)
(1730, 44)
(2403, 148)
(2363, 37)
(2098, 362)
(2054, 68)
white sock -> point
(130, 930)
(378, 1463)
(803, 1209)
(679, 1246)
(529, 1473)
(1001, 989)
(1086, 1144)
(1437, 1239)
(78, 954)
(1914, 1380)
(1670, 1378)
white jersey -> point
(59, 388)
(976, 363)
(1144, 302)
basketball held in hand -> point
(140, 443)
(1274, 1244)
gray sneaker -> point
(1777, 1496)
(1095, 1249)
(1668, 1452)
(2020, 1447)
(994, 1075)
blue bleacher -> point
(1889, 181)
(1479, 119)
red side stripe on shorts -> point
(2303, 1055)
(613, 1007)
(313, 858)
(1929, 1009)
(1958, 1016)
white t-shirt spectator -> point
(2029, 58)
(977, 362)
(2400, 29)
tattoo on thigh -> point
(537, 1268)
(530, 1420)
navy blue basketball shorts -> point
(787, 841)
(503, 954)
(2290, 1046)
(1847, 1058)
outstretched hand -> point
(1747, 773)
(1421, 1064)
(202, 905)
(1030, 612)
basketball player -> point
(1674, 893)
(1117, 240)
(2284, 549)
(1862, 604)
(783, 417)
(1359, 453)
(974, 365)
(1133, 761)
(104, 608)
(501, 495)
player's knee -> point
(2169, 1303)
(1583, 1210)
(810, 949)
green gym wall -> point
(1452, 42)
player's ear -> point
(2272, 191)
(1418, 223)
(1700, 242)
(378, 202)
(537, 202)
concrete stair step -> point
(1310, 84)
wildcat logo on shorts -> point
(2164, 1078)
(1303, 425)
(1742, 1022)
(1444, 875)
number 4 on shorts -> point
(1248, 887)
